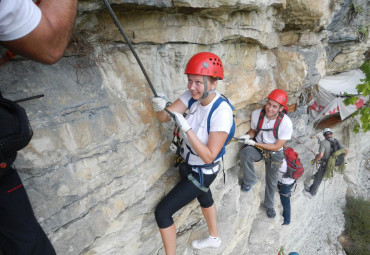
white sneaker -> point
(307, 194)
(209, 242)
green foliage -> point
(363, 32)
(355, 7)
(363, 89)
(354, 10)
(281, 251)
(357, 226)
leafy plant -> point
(354, 10)
(363, 89)
(357, 226)
(357, 8)
(281, 251)
(363, 32)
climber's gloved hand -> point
(249, 142)
(243, 138)
(181, 122)
(159, 103)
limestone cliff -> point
(99, 161)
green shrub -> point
(363, 89)
(357, 227)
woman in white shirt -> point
(203, 143)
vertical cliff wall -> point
(99, 161)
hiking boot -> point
(307, 194)
(271, 212)
(245, 187)
(209, 242)
(285, 223)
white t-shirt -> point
(284, 133)
(221, 121)
(18, 18)
(282, 171)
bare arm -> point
(252, 133)
(48, 41)
(216, 140)
(319, 156)
(209, 152)
(347, 150)
(273, 146)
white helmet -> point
(326, 130)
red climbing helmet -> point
(205, 63)
(279, 95)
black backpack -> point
(15, 131)
(334, 146)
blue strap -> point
(191, 102)
(216, 104)
(200, 172)
(187, 157)
(221, 99)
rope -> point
(303, 145)
(323, 193)
(330, 167)
(116, 22)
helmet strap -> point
(205, 92)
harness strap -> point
(223, 169)
(275, 129)
(215, 105)
(200, 183)
(196, 183)
(291, 191)
(200, 173)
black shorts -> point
(182, 194)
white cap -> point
(326, 130)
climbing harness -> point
(275, 130)
(176, 145)
(176, 140)
(116, 22)
(221, 99)
(291, 191)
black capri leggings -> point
(182, 194)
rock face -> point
(99, 161)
